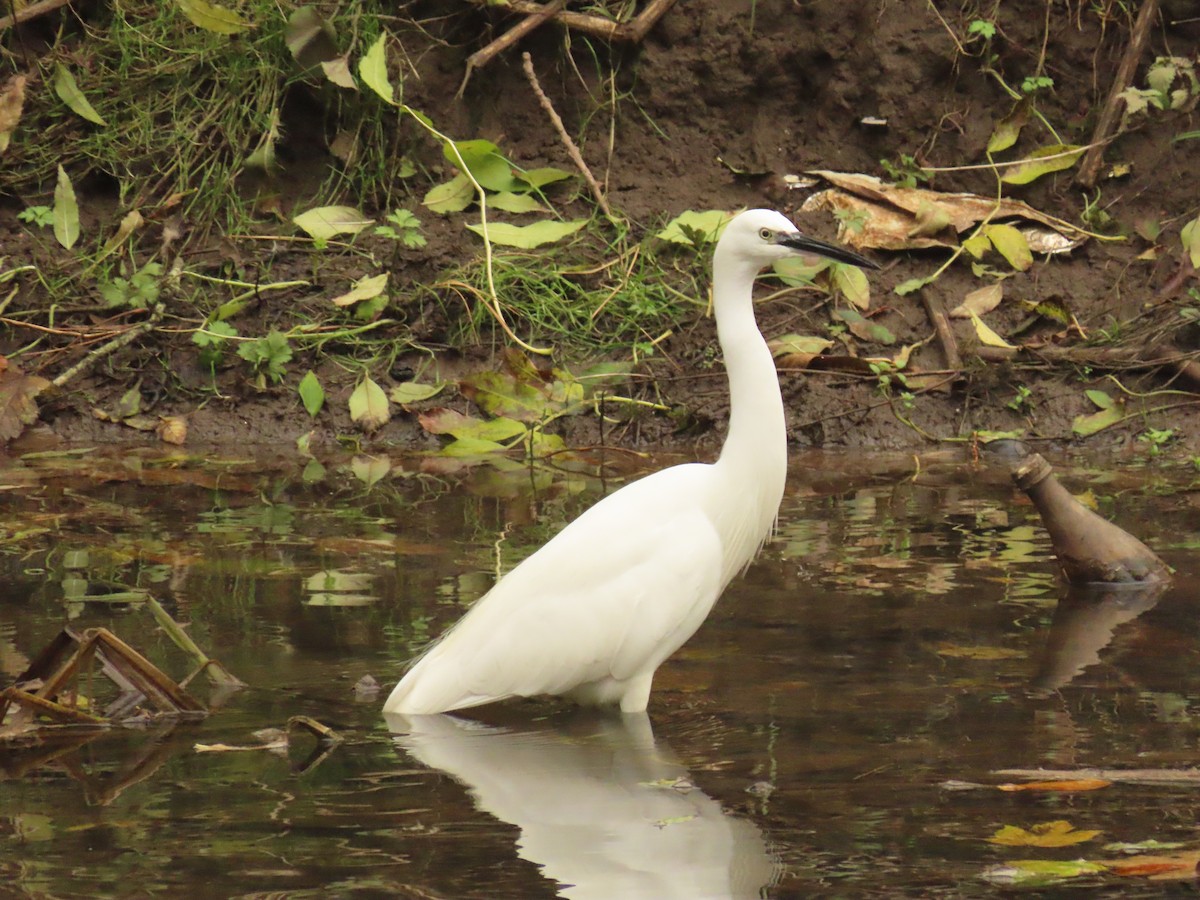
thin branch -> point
(572, 148)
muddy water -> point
(834, 730)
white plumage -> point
(595, 611)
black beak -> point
(806, 244)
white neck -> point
(755, 450)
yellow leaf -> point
(1077, 784)
(1049, 834)
(367, 288)
(986, 653)
(211, 17)
(986, 336)
(1011, 244)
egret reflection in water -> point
(604, 810)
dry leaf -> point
(12, 100)
(891, 216)
(18, 407)
(979, 302)
(172, 430)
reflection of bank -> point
(1085, 622)
(603, 809)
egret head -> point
(761, 236)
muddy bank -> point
(713, 109)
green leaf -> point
(369, 405)
(325, 222)
(913, 284)
(852, 282)
(1040, 163)
(369, 470)
(514, 203)
(454, 195)
(1190, 236)
(862, 328)
(535, 179)
(500, 394)
(709, 222)
(1086, 426)
(472, 447)
(1008, 129)
(214, 18)
(66, 211)
(1100, 398)
(526, 237)
(500, 429)
(372, 69)
(311, 393)
(1010, 244)
(68, 91)
(414, 392)
(484, 161)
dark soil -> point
(769, 88)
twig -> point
(1089, 169)
(481, 58)
(936, 311)
(630, 32)
(31, 12)
(572, 149)
(112, 346)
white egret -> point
(595, 611)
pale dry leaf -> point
(979, 302)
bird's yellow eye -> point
(766, 234)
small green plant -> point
(211, 340)
(906, 172)
(268, 356)
(405, 228)
(41, 216)
(892, 383)
(1094, 215)
(1171, 83)
(140, 290)
(1156, 439)
(855, 220)
(1022, 400)
(982, 28)
(1031, 84)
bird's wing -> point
(612, 595)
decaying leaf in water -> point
(1048, 834)
(899, 218)
(979, 652)
(1035, 872)
(1168, 867)
(1064, 786)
